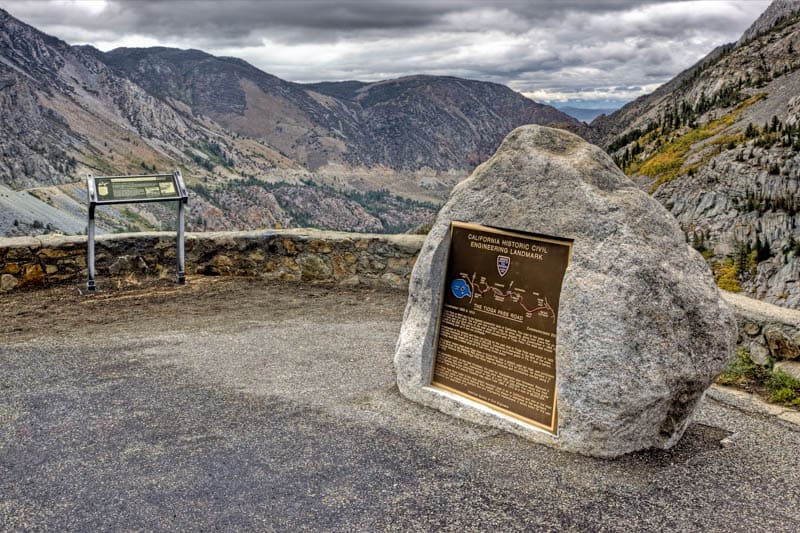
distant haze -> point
(578, 53)
(585, 114)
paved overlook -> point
(235, 404)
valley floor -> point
(238, 405)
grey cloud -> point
(236, 19)
(565, 46)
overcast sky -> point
(590, 53)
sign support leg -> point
(112, 190)
(180, 245)
(90, 284)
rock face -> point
(778, 11)
(719, 146)
(793, 369)
(642, 330)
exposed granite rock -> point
(7, 282)
(777, 11)
(788, 367)
(719, 147)
(642, 330)
(780, 345)
(759, 353)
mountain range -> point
(256, 150)
(718, 145)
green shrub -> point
(742, 370)
(783, 388)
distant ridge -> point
(437, 122)
(585, 114)
(778, 10)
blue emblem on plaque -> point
(503, 262)
(460, 289)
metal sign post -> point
(110, 190)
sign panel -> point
(108, 190)
(136, 188)
(496, 342)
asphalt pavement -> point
(276, 410)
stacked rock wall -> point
(768, 332)
(290, 255)
(765, 330)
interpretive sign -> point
(496, 342)
(123, 189)
(109, 190)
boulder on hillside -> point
(642, 330)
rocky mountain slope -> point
(719, 146)
(64, 114)
(257, 151)
(435, 122)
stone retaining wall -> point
(766, 331)
(290, 255)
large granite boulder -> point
(642, 330)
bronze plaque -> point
(496, 342)
(133, 188)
